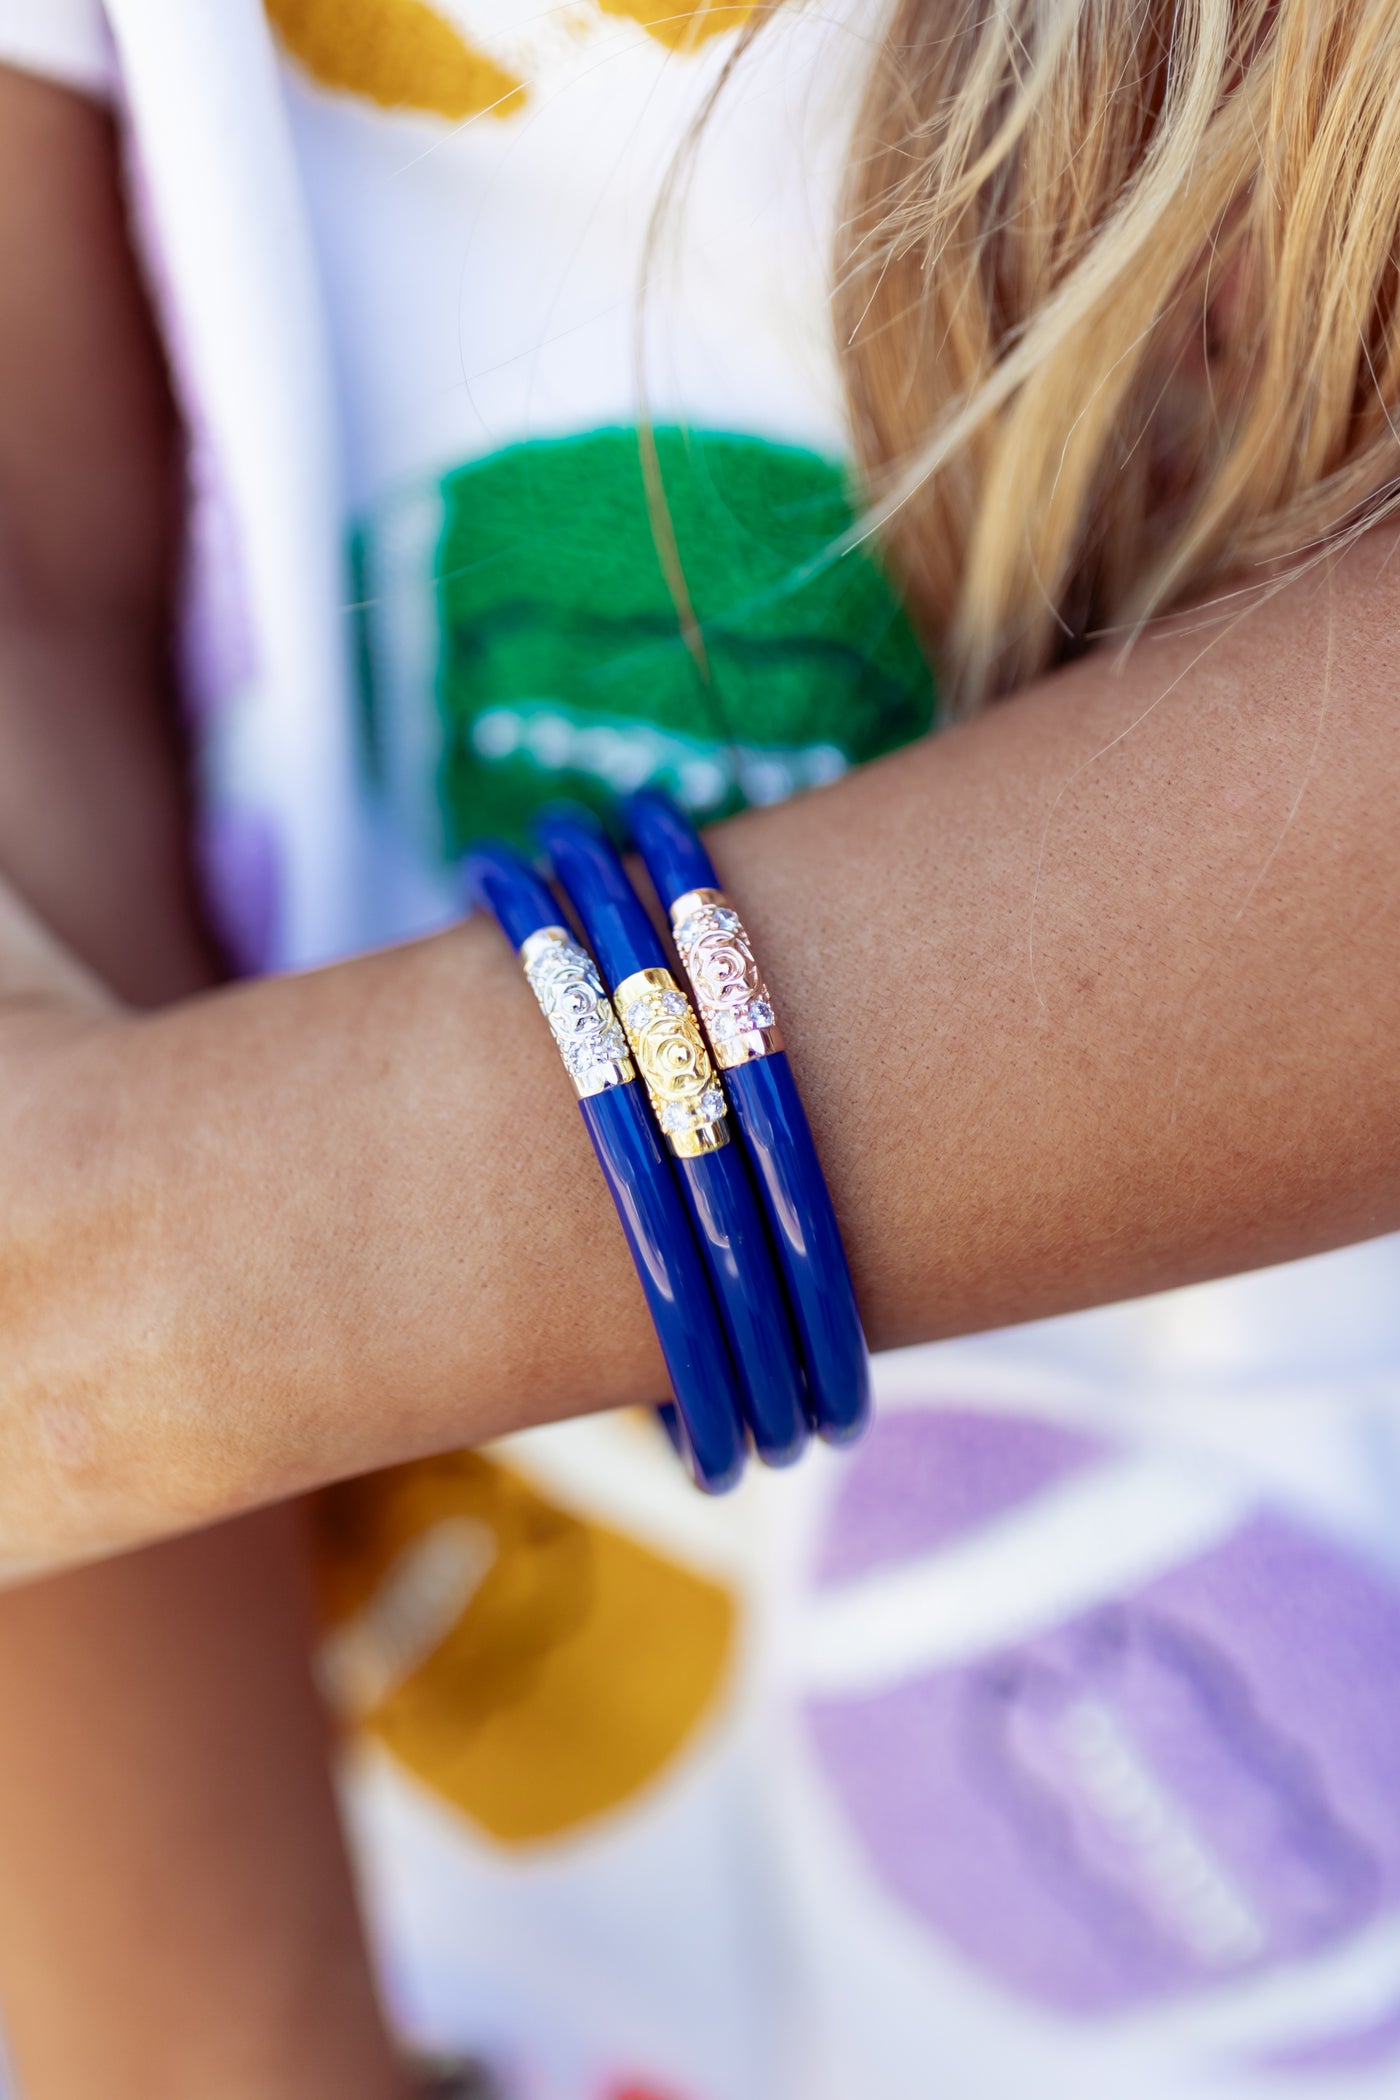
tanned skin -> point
(176, 1915)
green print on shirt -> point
(558, 653)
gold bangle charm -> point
(683, 1086)
(564, 978)
(717, 957)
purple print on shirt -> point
(240, 867)
(1178, 1787)
(1363, 2048)
(218, 648)
(922, 1482)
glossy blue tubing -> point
(778, 1137)
(519, 900)
(672, 848)
(756, 1317)
(618, 924)
(677, 1290)
(706, 1422)
(768, 1110)
(717, 1184)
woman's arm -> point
(176, 1915)
(177, 1920)
(1090, 997)
(1093, 996)
(90, 517)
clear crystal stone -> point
(727, 920)
(712, 1104)
(637, 1014)
(673, 1002)
(726, 1024)
(676, 1117)
(687, 932)
(761, 1014)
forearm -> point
(176, 1918)
(92, 824)
(176, 1915)
(1091, 997)
(195, 1784)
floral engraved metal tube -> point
(565, 980)
(683, 1086)
(718, 959)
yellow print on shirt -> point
(403, 54)
(532, 1666)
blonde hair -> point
(1117, 302)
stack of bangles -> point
(705, 1145)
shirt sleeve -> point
(64, 40)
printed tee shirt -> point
(1045, 1745)
(520, 633)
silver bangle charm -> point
(564, 978)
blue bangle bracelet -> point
(739, 1019)
(705, 1422)
(689, 1103)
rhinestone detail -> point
(670, 1053)
(718, 958)
(565, 981)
